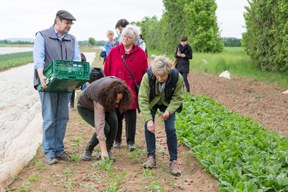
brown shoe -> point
(150, 163)
(175, 167)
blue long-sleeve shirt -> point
(108, 47)
(39, 50)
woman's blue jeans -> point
(55, 115)
(170, 134)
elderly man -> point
(51, 44)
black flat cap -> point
(65, 15)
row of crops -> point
(15, 59)
(240, 153)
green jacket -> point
(146, 106)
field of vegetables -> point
(15, 59)
(239, 152)
(226, 150)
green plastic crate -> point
(65, 76)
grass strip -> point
(235, 61)
(15, 55)
(239, 152)
(15, 62)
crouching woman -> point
(161, 88)
(96, 105)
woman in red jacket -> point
(137, 62)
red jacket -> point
(137, 62)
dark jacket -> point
(146, 102)
(183, 62)
(169, 87)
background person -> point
(136, 59)
(143, 44)
(71, 107)
(54, 44)
(161, 88)
(111, 43)
(183, 55)
(96, 105)
(120, 25)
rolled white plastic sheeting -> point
(20, 120)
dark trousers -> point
(186, 81)
(110, 128)
(170, 134)
(130, 121)
(72, 99)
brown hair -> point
(108, 94)
(83, 58)
(122, 23)
(183, 38)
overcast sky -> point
(23, 18)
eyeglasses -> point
(126, 37)
(68, 23)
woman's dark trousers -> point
(186, 81)
(110, 129)
(130, 121)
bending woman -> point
(96, 105)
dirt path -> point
(263, 101)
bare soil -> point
(261, 101)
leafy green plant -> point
(239, 152)
(187, 160)
(154, 186)
(26, 187)
(68, 183)
(69, 171)
(16, 177)
(39, 165)
(230, 91)
(10, 188)
(137, 155)
(34, 177)
(77, 138)
(114, 180)
(32, 162)
(257, 96)
(76, 158)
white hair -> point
(131, 30)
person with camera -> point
(183, 54)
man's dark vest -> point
(169, 87)
(56, 49)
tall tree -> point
(201, 26)
(172, 24)
(92, 41)
(193, 18)
(266, 36)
